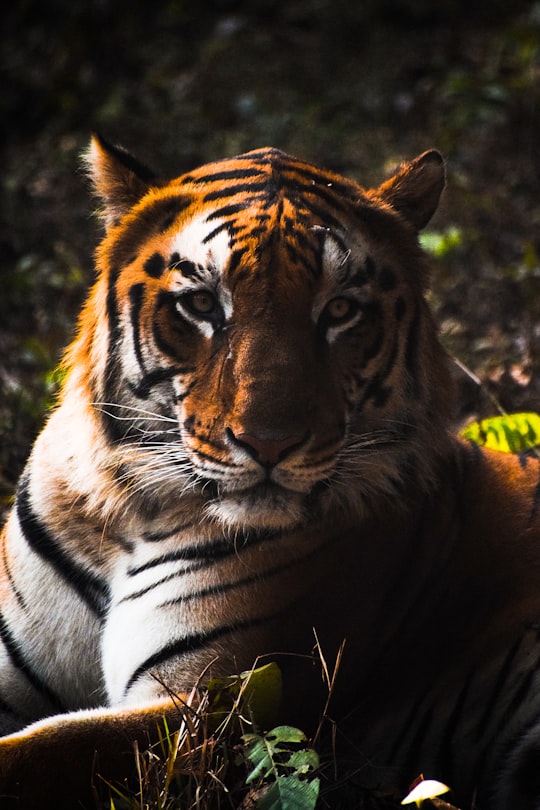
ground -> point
(353, 87)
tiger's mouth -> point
(264, 505)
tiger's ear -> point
(415, 189)
(119, 179)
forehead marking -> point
(200, 252)
(155, 265)
(203, 244)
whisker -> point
(101, 406)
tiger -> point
(253, 449)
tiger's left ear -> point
(119, 179)
(414, 191)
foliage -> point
(441, 243)
(219, 753)
(285, 766)
(510, 433)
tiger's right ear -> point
(119, 179)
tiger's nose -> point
(268, 452)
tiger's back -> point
(251, 445)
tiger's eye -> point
(201, 302)
(339, 309)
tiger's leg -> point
(61, 762)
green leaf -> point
(289, 793)
(283, 760)
(512, 433)
(262, 691)
(257, 694)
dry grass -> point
(198, 766)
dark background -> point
(355, 87)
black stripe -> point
(305, 247)
(155, 265)
(215, 549)
(535, 504)
(319, 178)
(212, 590)
(223, 587)
(18, 660)
(504, 674)
(184, 266)
(155, 537)
(506, 718)
(189, 569)
(376, 389)
(113, 315)
(296, 256)
(158, 375)
(373, 311)
(188, 644)
(323, 194)
(228, 210)
(187, 391)
(312, 208)
(523, 458)
(222, 227)
(91, 589)
(253, 190)
(446, 735)
(264, 157)
(18, 595)
(229, 174)
(520, 696)
(114, 430)
(400, 308)
(150, 220)
(136, 298)
(210, 552)
(234, 260)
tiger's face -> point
(267, 347)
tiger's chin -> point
(263, 507)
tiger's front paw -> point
(67, 761)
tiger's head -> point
(258, 338)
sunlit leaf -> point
(511, 433)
